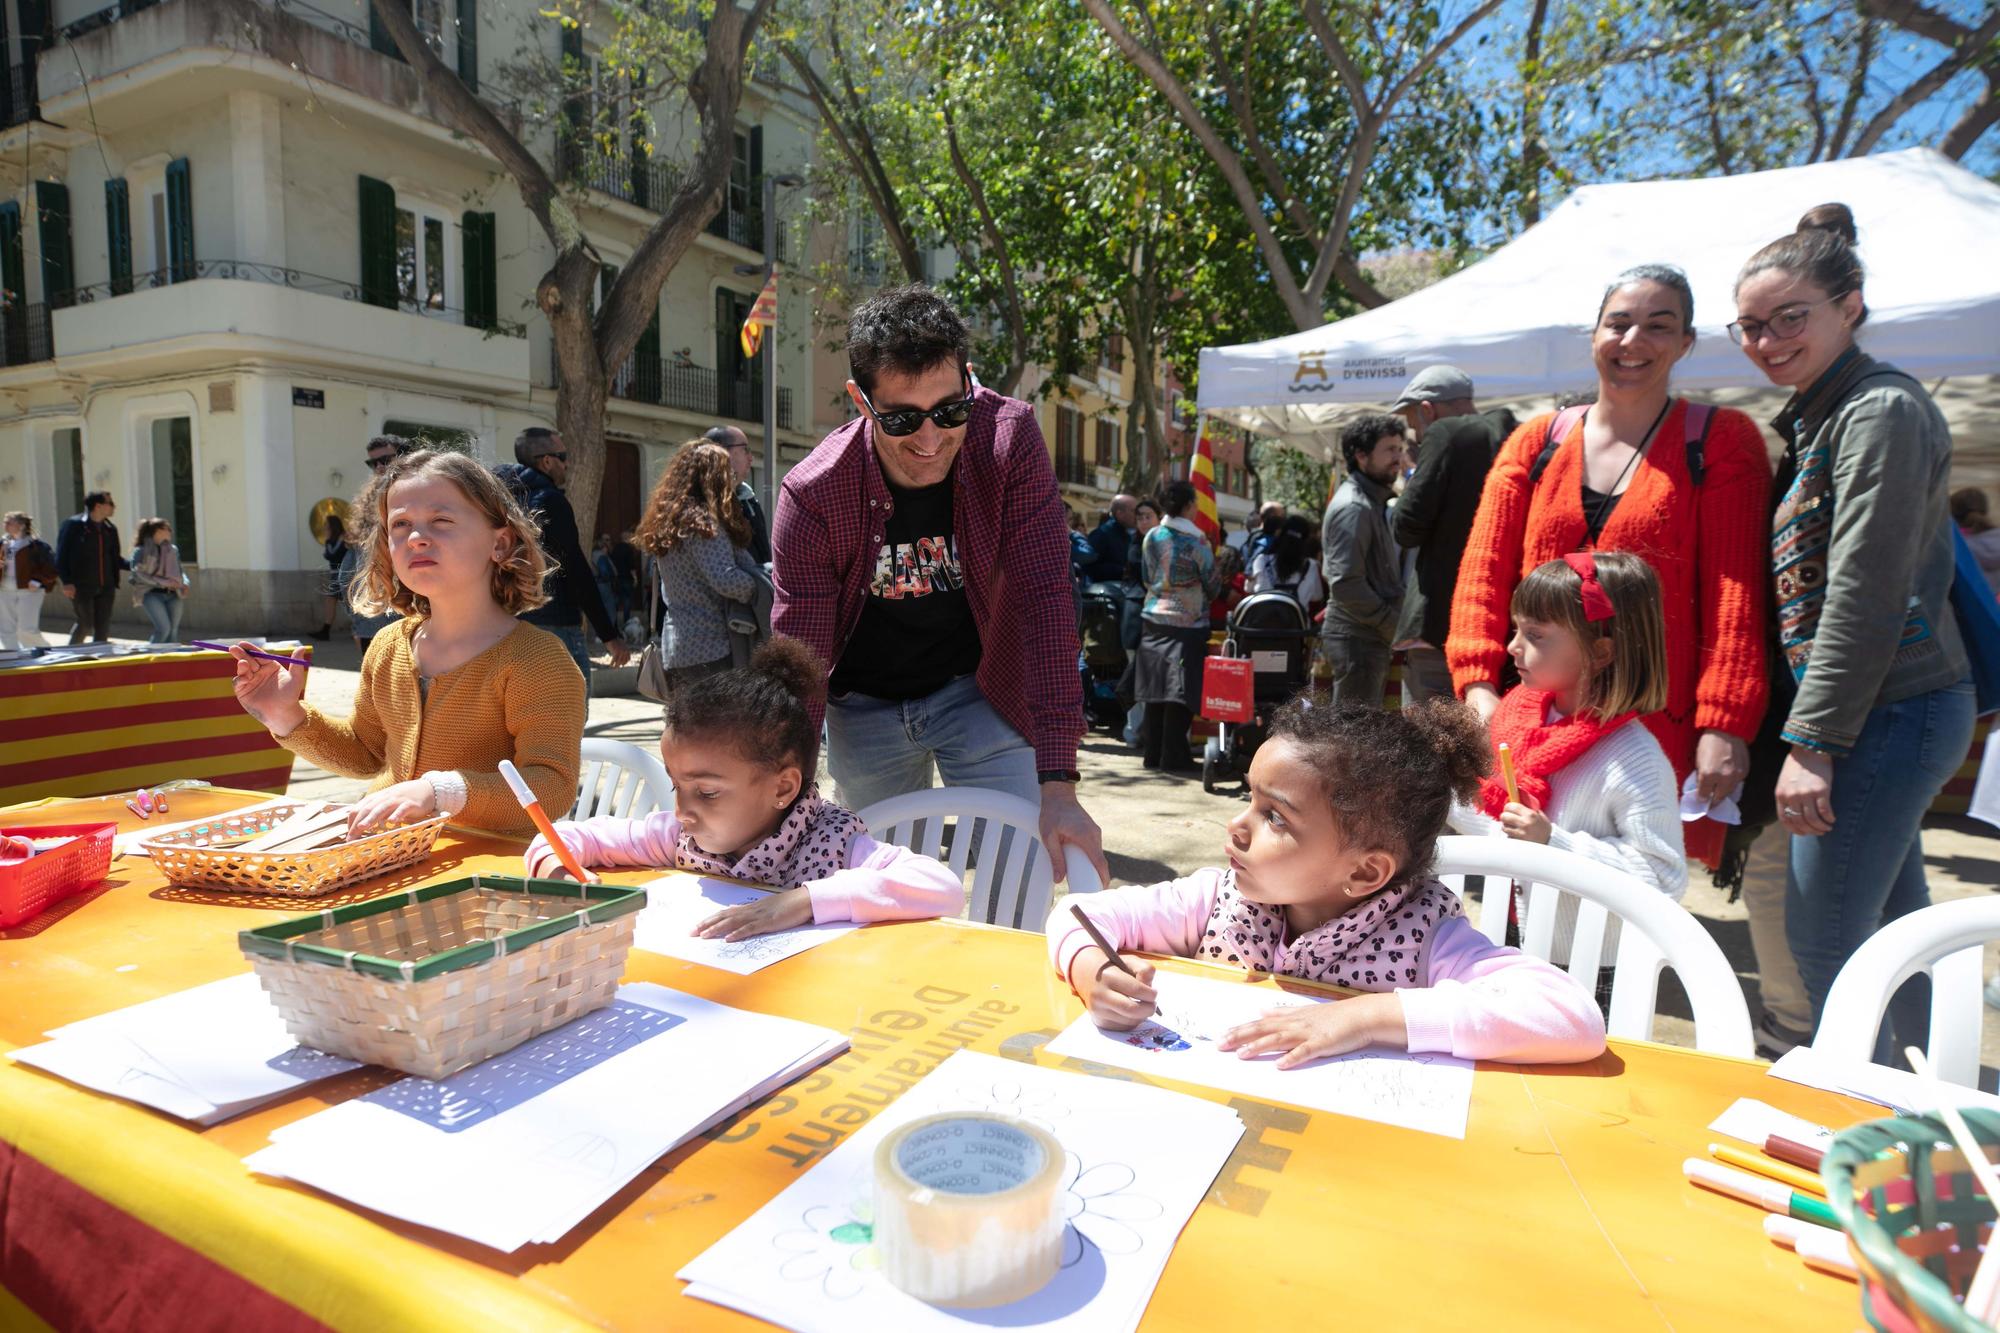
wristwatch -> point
(1058, 775)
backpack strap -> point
(1559, 427)
(1700, 418)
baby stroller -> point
(1270, 629)
(1100, 608)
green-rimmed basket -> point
(1913, 1217)
(444, 976)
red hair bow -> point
(1596, 602)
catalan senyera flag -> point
(1201, 471)
(763, 315)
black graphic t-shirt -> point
(916, 632)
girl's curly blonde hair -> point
(695, 497)
(376, 591)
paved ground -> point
(1157, 827)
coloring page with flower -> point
(675, 906)
(1429, 1092)
(1137, 1161)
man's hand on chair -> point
(1065, 824)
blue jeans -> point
(164, 610)
(878, 748)
(1847, 884)
(573, 639)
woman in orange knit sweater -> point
(1619, 480)
(458, 684)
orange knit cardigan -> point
(1710, 546)
(522, 699)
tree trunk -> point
(1533, 152)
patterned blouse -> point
(1178, 567)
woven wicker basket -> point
(1913, 1219)
(442, 977)
(191, 858)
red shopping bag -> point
(1228, 692)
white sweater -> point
(1618, 804)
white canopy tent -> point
(1518, 321)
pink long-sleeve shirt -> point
(1484, 1002)
(881, 881)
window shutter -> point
(727, 354)
(379, 38)
(118, 234)
(468, 43)
(180, 220)
(52, 216)
(378, 243)
(755, 208)
(482, 297)
(13, 266)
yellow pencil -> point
(1507, 774)
(1764, 1166)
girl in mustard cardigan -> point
(459, 684)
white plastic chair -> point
(618, 778)
(1656, 933)
(1012, 882)
(1944, 940)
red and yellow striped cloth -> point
(86, 728)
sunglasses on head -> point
(908, 420)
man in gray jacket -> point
(1364, 577)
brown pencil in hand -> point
(1097, 938)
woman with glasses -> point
(1638, 470)
(1861, 564)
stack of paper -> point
(675, 905)
(523, 1147)
(1897, 1089)
(1139, 1160)
(1432, 1093)
(203, 1055)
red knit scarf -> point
(1541, 748)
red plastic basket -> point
(26, 889)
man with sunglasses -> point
(923, 552)
(537, 477)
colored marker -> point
(1803, 1181)
(1798, 1154)
(1770, 1195)
(1507, 774)
(526, 796)
(1822, 1247)
(254, 652)
(1097, 938)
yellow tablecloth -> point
(1564, 1207)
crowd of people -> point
(1688, 658)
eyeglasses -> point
(377, 462)
(560, 455)
(1784, 323)
(908, 420)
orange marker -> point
(1507, 774)
(526, 796)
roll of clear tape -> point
(968, 1208)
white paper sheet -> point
(1432, 1093)
(675, 905)
(1139, 1161)
(203, 1054)
(1897, 1089)
(1753, 1122)
(526, 1145)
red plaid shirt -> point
(1013, 544)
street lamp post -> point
(771, 184)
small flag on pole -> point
(1201, 471)
(763, 315)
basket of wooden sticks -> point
(298, 850)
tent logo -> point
(1313, 364)
(1312, 376)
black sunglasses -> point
(908, 420)
(560, 455)
(377, 464)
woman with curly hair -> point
(458, 684)
(698, 537)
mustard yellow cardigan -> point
(522, 699)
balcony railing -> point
(239, 270)
(639, 179)
(22, 104)
(691, 388)
(24, 335)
